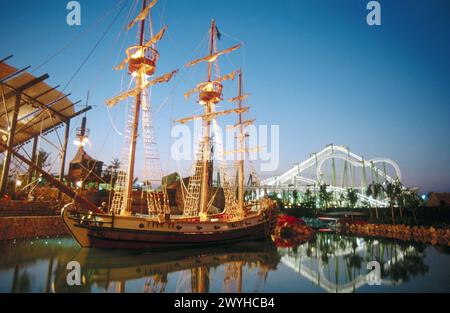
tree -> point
(43, 159)
(341, 200)
(410, 200)
(352, 197)
(309, 200)
(393, 192)
(295, 196)
(111, 172)
(374, 190)
(325, 197)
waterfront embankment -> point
(422, 234)
(30, 219)
(27, 227)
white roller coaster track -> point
(318, 160)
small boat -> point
(322, 224)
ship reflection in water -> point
(328, 263)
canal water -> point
(327, 263)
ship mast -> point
(206, 159)
(210, 94)
(134, 132)
(241, 137)
(141, 61)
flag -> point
(219, 35)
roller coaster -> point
(340, 170)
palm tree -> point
(393, 191)
(43, 159)
(374, 190)
(110, 173)
(352, 197)
(295, 197)
(324, 196)
(409, 199)
(309, 200)
(341, 200)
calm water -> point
(328, 263)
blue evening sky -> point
(313, 67)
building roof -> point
(42, 107)
(442, 196)
(82, 155)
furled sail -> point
(157, 37)
(134, 92)
(213, 57)
(243, 124)
(231, 76)
(211, 116)
(241, 98)
(143, 14)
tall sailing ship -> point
(197, 221)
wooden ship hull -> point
(123, 232)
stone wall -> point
(9, 208)
(31, 227)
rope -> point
(85, 32)
(95, 46)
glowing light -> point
(18, 183)
(203, 216)
(208, 87)
(79, 184)
(82, 142)
(138, 54)
(424, 197)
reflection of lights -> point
(40, 179)
(79, 184)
